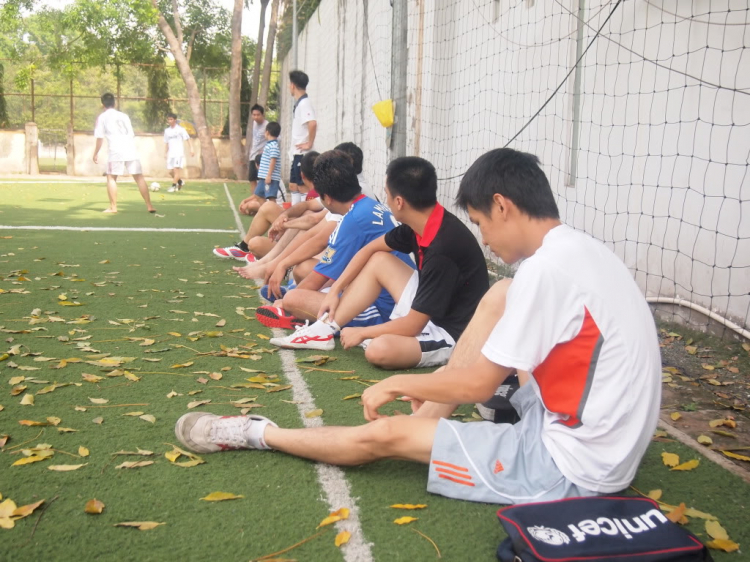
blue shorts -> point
(295, 175)
(269, 191)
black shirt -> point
(452, 270)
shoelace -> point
(230, 431)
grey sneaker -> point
(207, 433)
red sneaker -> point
(277, 317)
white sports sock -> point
(256, 433)
(335, 326)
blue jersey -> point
(366, 220)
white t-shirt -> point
(303, 113)
(577, 321)
(115, 126)
(259, 138)
(175, 138)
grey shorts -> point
(498, 463)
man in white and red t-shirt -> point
(122, 156)
(572, 323)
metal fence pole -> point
(399, 61)
(573, 167)
(71, 101)
(33, 103)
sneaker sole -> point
(318, 346)
(182, 430)
(272, 320)
(230, 257)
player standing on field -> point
(122, 156)
(174, 139)
(304, 127)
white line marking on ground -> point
(332, 479)
(113, 229)
(234, 210)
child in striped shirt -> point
(269, 172)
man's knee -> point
(380, 436)
(496, 295)
(255, 244)
(379, 353)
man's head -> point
(504, 191)
(273, 130)
(335, 180)
(258, 113)
(172, 119)
(108, 100)
(410, 183)
(354, 152)
(307, 169)
(298, 81)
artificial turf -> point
(145, 278)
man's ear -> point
(501, 204)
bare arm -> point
(271, 167)
(306, 222)
(312, 129)
(97, 148)
(475, 383)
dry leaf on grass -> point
(739, 457)
(140, 525)
(98, 421)
(654, 495)
(670, 459)
(98, 400)
(337, 515)
(29, 460)
(408, 506)
(134, 464)
(197, 403)
(689, 465)
(314, 413)
(716, 531)
(83, 451)
(220, 497)
(25, 510)
(723, 544)
(148, 417)
(27, 400)
(677, 513)
(404, 520)
(65, 467)
(705, 440)
(675, 416)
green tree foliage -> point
(3, 106)
(157, 106)
(245, 95)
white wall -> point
(663, 175)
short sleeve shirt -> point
(175, 138)
(366, 220)
(577, 321)
(452, 269)
(303, 114)
(115, 126)
(270, 151)
(259, 138)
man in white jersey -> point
(122, 156)
(304, 128)
(174, 139)
(572, 323)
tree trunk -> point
(263, 97)
(239, 158)
(208, 152)
(255, 84)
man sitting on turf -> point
(301, 216)
(364, 220)
(572, 322)
(435, 303)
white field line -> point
(113, 229)
(332, 479)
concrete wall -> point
(664, 130)
(12, 152)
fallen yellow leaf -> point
(337, 515)
(27, 400)
(94, 507)
(134, 414)
(723, 544)
(732, 455)
(140, 525)
(29, 460)
(675, 416)
(65, 467)
(134, 464)
(83, 451)
(26, 510)
(677, 513)
(314, 413)
(705, 440)
(716, 531)
(98, 400)
(342, 538)
(148, 417)
(405, 520)
(221, 496)
(7, 508)
(654, 495)
(670, 459)
(689, 465)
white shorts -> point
(119, 168)
(499, 463)
(436, 344)
(175, 162)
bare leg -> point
(383, 271)
(303, 269)
(111, 193)
(143, 188)
(399, 437)
(176, 174)
(469, 345)
(266, 214)
(260, 245)
(394, 352)
(304, 303)
(257, 270)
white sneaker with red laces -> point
(207, 433)
(318, 335)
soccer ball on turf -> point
(154, 186)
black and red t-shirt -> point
(452, 270)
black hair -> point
(513, 174)
(274, 129)
(258, 107)
(299, 79)
(307, 164)
(334, 176)
(108, 100)
(414, 179)
(355, 153)
(172, 115)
